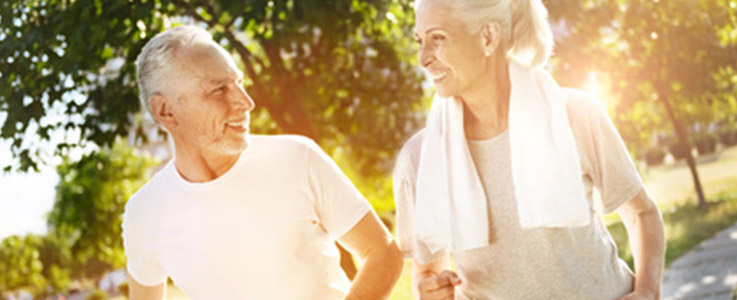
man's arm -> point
(138, 291)
(644, 225)
(376, 247)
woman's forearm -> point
(647, 239)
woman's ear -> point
(491, 37)
(161, 108)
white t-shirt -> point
(263, 230)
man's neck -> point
(199, 166)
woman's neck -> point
(486, 103)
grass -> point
(686, 225)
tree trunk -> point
(683, 138)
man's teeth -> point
(236, 124)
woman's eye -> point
(438, 38)
(418, 41)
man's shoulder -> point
(283, 142)
(150, 194)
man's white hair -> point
(155, 63)
(526, 33)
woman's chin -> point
(443, 92)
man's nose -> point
(243, 100)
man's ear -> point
(491, 37)
(162, 109)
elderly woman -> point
(502, 178)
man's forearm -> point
(648, 248)
(377, 276)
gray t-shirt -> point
(541, 263)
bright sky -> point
(24, 198)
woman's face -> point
(453, 57)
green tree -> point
(90, 201)
(38, 264)
(56, 258)
(341, 71)
(20, 265)
(680, 54)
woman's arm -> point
(644, 225)
(434, 280)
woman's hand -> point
(637, 296)
(440, 287)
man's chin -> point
(239, 145)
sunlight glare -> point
(594, 87)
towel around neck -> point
(451, 205)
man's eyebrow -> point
(215, 83)
(237, 74)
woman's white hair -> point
(526, 34)
(155, 63)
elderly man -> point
(239, 216)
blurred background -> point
(74, 145)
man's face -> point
(210, 105)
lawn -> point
(686, 225)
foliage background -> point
(343, 72)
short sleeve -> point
(403, 180)
(339, 204)
(142, 263)
(603, 152)
(404, 202)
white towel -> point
(450, 204)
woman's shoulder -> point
(409, 156)
(583, 108)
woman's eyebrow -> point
(429, 30)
